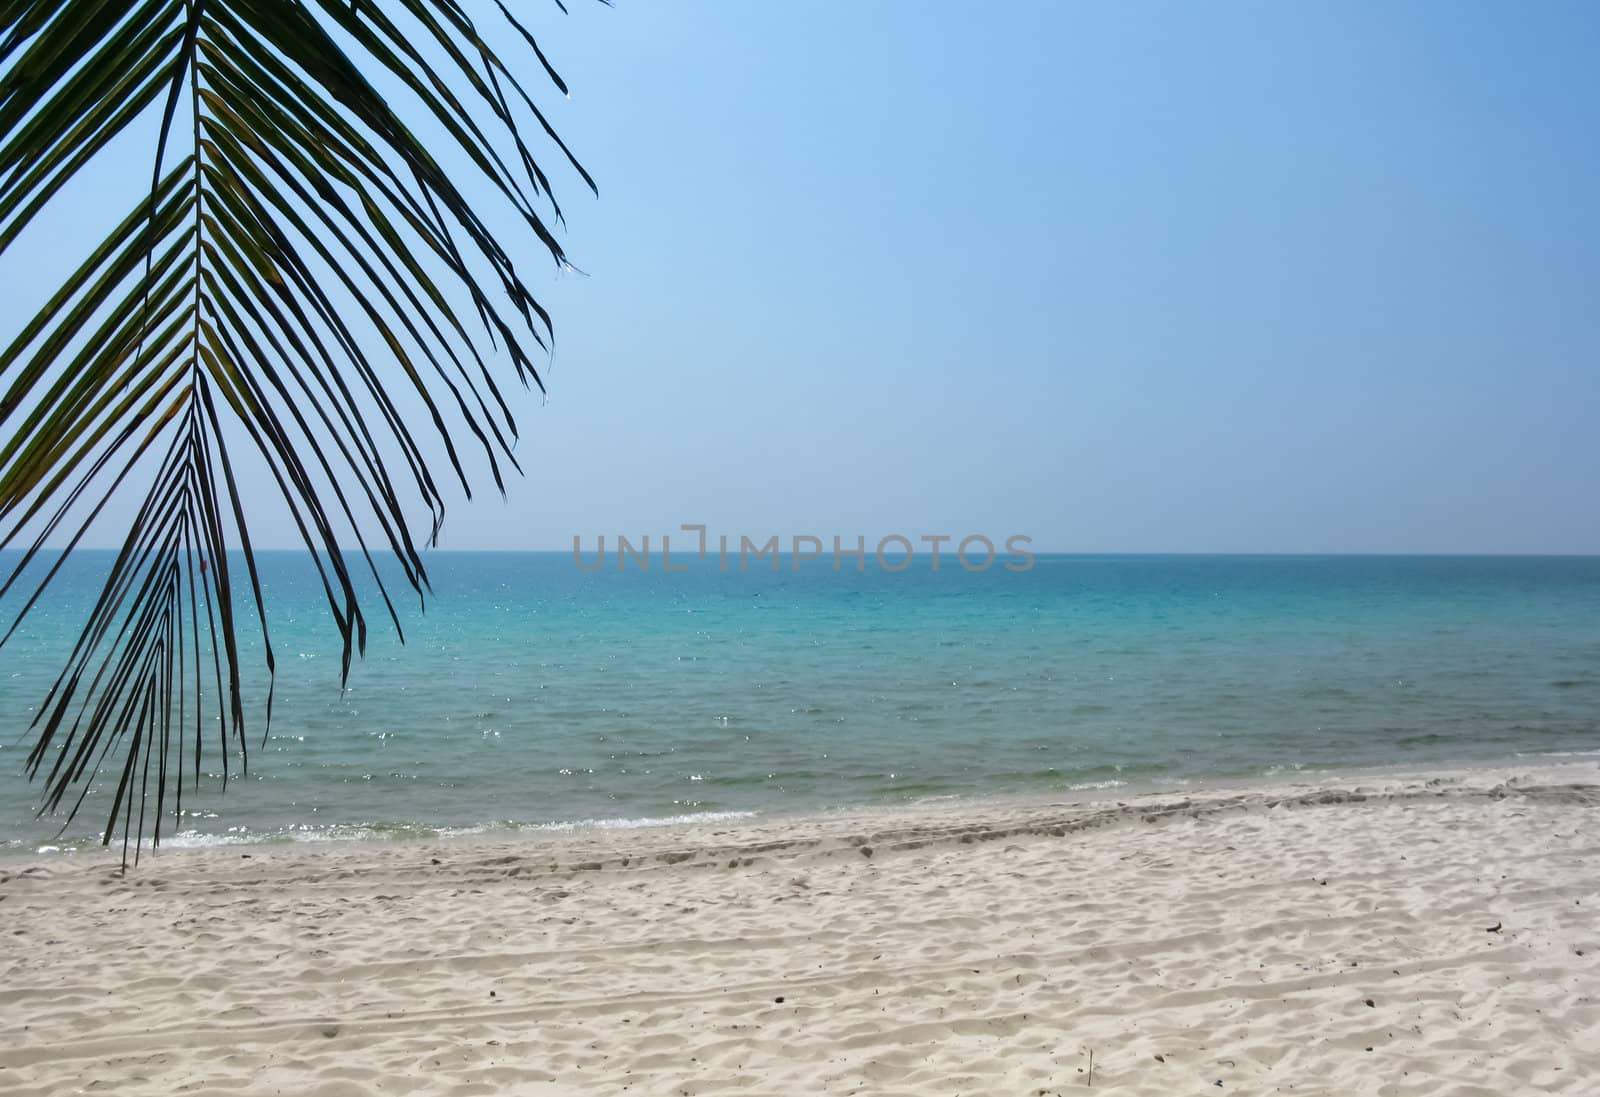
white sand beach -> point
(1434, 934)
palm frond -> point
(302, 285)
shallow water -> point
(532, 693)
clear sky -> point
(1122, 277)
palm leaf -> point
(301, 274)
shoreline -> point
(405, 835)
(1421, 935)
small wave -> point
(198, 839)
(642, 823)
(384, 832)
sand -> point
(1382, 935)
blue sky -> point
(1122, 277)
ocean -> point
(534, 694)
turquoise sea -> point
(534, 694)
